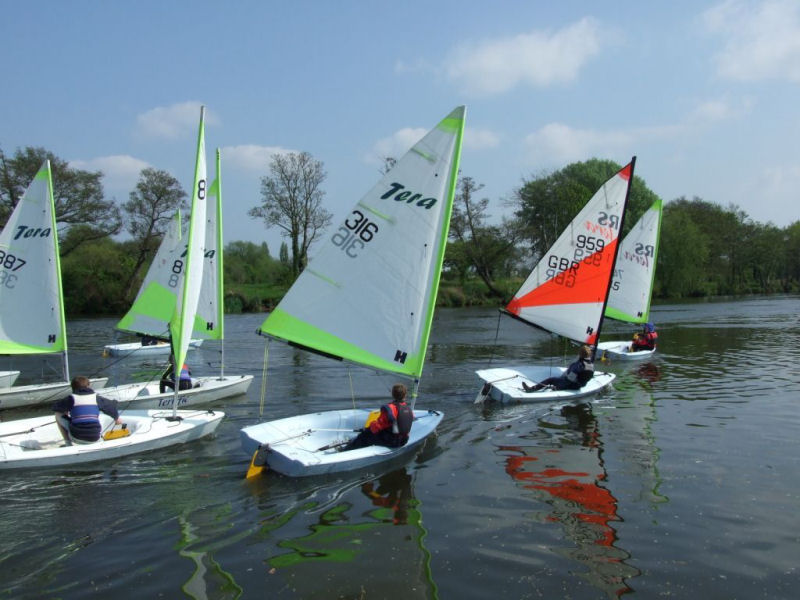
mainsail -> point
(632, 285)
(567, 290)
(162, 288)
(31, 306)
(210, 309)
(182, 323)
(155, 303)
(368, 294)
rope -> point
(352, 391)
(496, 335)
(264, 379)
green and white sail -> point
(210, 309)
(182, 322)
(158, 296)
(368, 294)
(634, 273)
(162, 287)
(31, 298)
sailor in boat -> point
(168, 378)
(149, 340)
(78, 415)
(575, 377)
(392, 426)
(646, 340)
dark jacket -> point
(83, 407)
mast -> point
(52, 201)
(181, 324)
(220, 273)
(616, 252)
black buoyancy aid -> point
(587, 373)
(401, 416)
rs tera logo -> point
(28, 232)
(407, 196)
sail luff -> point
(182, 323)
(59, 284)
(616, 249)
(220, 269)
(657, 206)
(443, 235)
(634, 273)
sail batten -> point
(368, 294)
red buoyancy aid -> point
(393, 414)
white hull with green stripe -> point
(368, 295)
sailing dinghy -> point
(156, 303)
(161, 348)
(632, 286)
(31, 297)
(35, 441)
(368, 298)
(566, 294)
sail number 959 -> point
(589, 250)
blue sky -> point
(705, 94)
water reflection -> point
(569, 476)
(209, 579)
(374, 538)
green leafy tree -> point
(292, 201)
(94, 276)
(487, 249)
(548, 203)
(79, 196)
(682, 256)
(149, 209)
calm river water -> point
(684, 481)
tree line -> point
(705, 249)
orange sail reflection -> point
(569, 477)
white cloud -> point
(172, 122)
(762, 39)
(250, 157)
(121, 172)
(711, 111)
(394, 146)
(775, 194)
(557, 144)
(538, 58)
(397, 144)
(478, 139)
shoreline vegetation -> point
(705, 250)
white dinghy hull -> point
(37, 442)
(208, 389)
(506, 384)
(137, 349)
(309, 444)
(622, 351)
(20, 396)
